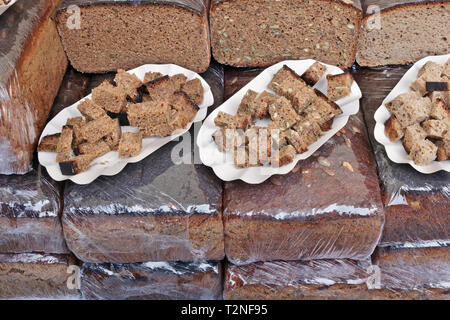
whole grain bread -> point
(152, 281)
(403, 31)
(264, 32)
(28, 82)
(135, 34)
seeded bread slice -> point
(76, 165)
(413, 135)
(97, 149)
(247, 105)
(430, 72)
(413, 111)
(436, 129)
(439, 111)
(394, 131)
(314, 73)
(423, 152)
(282, 113)
(339, 86)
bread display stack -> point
(101, 36)
(402, 31)
(263, 32)
(28, 82)
(34, 258)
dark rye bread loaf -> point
(294, 217)
(396, 274)
(126, 34)
(403, 32)
(416, 204)
(28, 82)
(30, 214)
(152, 281)
(38, 276)
(262, 32)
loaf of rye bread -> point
(32, 65)
(416, 204)
(152, 281)
(38, 276)
(126, 34)
(263, 32)
(30, 214)
(396, 274)
(403, 31)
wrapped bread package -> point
(39, 276)
(416, 204)
(264, 32)
(30, 214)
(32, 65)
(106, 35)
(152, 281)
(403, 31)
(393, 274)
(154, 210)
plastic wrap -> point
(138, 32)
(152, 281)
(38, 276)
(32, 64)
(154, 210)
(329, 206)
(417, 205)
(30, 214)
(386, 37)
(261, 33)
(394, 273)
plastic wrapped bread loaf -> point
(152, 281)
(134, 33)
(394, 274)
(403, 31)
(32, 65)
(38, 276)
(328, 207)
(416, 204)
(154, 210)
(263, 32)
(30, 214)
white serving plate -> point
(395, 150)
(5, 7)
(222, 163)
(110, 164)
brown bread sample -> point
(115, 132)
(267, 32)
(283, 114)
(393, 129)
(436, 129)
(152, 281)
(77, 123)
(29, 83)
(91, 110)
(64, 146)
(228, 121)
(128, 83)
(30, 214)
(76, 164)
(130, 144)
(247, 105)
(423, 152)
(150, 76)
(314, 73)
(97, 149)
(413, 134)
(194, 89)
(36, 276)
(262, 103)
(386, 40)
(97, 129)
(439, 110)
(140, 33)
(49, 143)
(431, 71)
(109, 97)
(180, 101)
(339, 86)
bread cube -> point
(339, 86)
(439, 111)
(282, 112)
(247, 105)
(76, 165)
(150, 76)
(97, 149)
(64, 146)
(77, 123)
(401, 99)
(130, 144)
(413, 111)
(412, 135)
(436, 129)
(314, 73)
(262, 103)
(194, 89)
(394, 131)
(49, 143)
(128, 83)
(109, 97)
(91, 110)
(180, 101)
(423, 152)
(430, 72)
(228, 121)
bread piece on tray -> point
(109, 97)
(393, 129)
(181, 101)
(94, 130)
(339, 86)
(129, 83)
(265, 33)
(76, 165)
(413, 134)
(439, 110)
(130, 144)
(91, 110)
(436, 129)
(385, 38)
(430, 72)
(33, 64)
(247, 105)
(64, 146)
(77, 123)
(416, 204)
(30, 214)
(141, 33)
(96, 149)
(38, 276)
(314, 73)
(152, 281)
(300, 218)
(437, 86)
(423, 152)
(141, 215)
(194, 89)
(49, 143)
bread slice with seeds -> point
(314, 73)
(413, 134)
(423, 152)
(393, 130)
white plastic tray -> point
(222, 163)
(110, 164)
(395, 150)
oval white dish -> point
(110, 164)
(222, 163)
(395, 150)
(5, 7)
